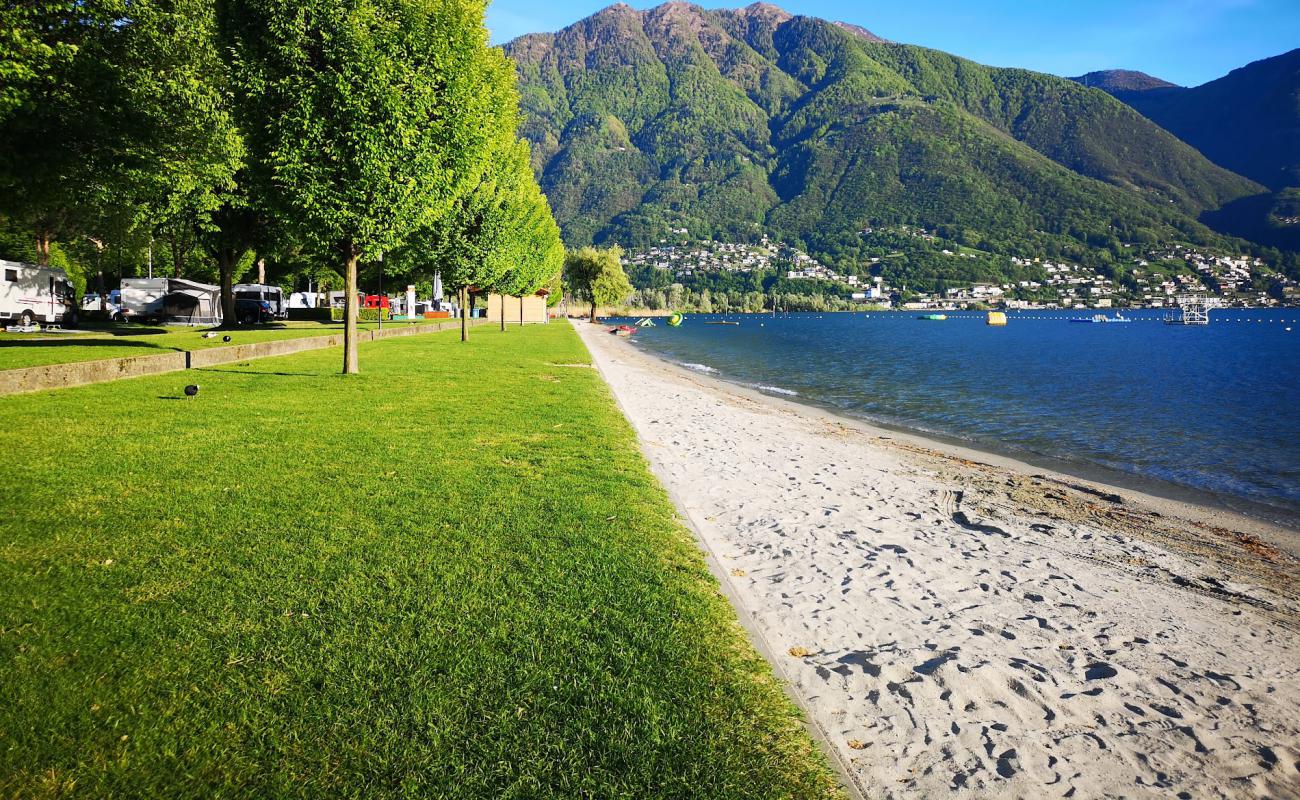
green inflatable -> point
(675, 320)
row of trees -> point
(325, 131)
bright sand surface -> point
(960, 624)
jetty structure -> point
(1193, 309)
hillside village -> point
(1150, 280)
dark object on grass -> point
(225, 338)
(191, 390)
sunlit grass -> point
(449, 576)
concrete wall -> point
(62, 376)
(57, 376)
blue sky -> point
(1188, 42)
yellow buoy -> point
(997, 318)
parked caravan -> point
(174, 301)
(30, 293)
(305, 300)
(142, 299)
(110, 303)
(340, 299)
(267, 293)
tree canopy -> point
(373, 116)
(596, 275)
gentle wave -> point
(775, 390)
(700, 367)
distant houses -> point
(1150, 278)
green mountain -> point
(1247, 121)
(737, 123)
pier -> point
(1193, 309)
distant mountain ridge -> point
(1248, 121)
(1123, 81)
(735, 123)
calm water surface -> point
(1207, 408)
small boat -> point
(935, 317)
(1103, 319)
(623, 330)
(722, 323)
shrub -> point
(364, 315)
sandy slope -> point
(960, 625)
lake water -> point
(1209, 408)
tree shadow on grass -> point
(81, 343)
(219, 370)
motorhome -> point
(30, 293)
(270, 294)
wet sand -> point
(961, 623)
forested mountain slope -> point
(1247, 121)
(736, 123)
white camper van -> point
(30, 293)
(260, 291)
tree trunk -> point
(226, 261)
(43, 236)
(178, 257)
(521, 311)
(593, 310)
(503, 313)
(350, 310)
(461, 297)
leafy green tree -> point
(527, 237)
(373, 116)
(110, 106)
(596, 276)
(500, 235)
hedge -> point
(365, 315)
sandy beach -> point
(957, 623)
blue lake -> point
(1209, 408)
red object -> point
(375, 301)
(437, 315)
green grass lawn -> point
(37, 349)
(450, 576)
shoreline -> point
(1279, 520)
(1279, 526)
(963, 623)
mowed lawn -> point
(38, 349)
(450, 576)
